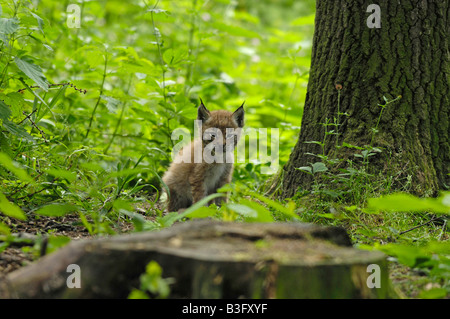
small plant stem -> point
(78, 29)
(383, 106)
(161, 60)
(376, 126)
(9, 59)
(99, 96)
(338, 117)
(120, 119)
(190, 44)
(11, 40)
(291, 97)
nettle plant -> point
(87, 109)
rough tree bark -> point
(408, 57)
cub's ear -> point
(203, 113)
(238, 115)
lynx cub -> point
(206, 164)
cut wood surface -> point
(209, 259)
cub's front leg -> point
(225, 179)
(197, 182)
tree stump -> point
(210, 259)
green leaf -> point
(202, 212)
(288, 211)
(94, 58)
(17, 130)
(174, 57)
(55, 99)
(433, 293)
(14, 100)
(5, 146)
(440, 247)
(5, 111)
(111, 103)
(327, 215)
(125, 172)
(156, 11)
(39, 21)
(401, 202)
(344, 144)
(169, 219)
(56, 209)
(408, 255)
(305, 169)
(11, 209)
(243, 210)
(4, 229)
(56, 242)
(235, 30)
(47, 46)
(305, 20)
(319, 167)
(314, 142)
(138, 294)
(153, 269)
(14, 167)
(9, 26)
(33, 71)
(252, 211)
(126, 208)
(68, 175)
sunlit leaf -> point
(9, 26)
(402, 202)
(68, 175)
(33, 71)
(10, 209)
(15, 168)
(56, 209)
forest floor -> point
(406, 282)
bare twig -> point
(56, 84)
(415, 227)
(37, 127)
(27, 117)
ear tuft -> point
(203, 113)
(238, 115)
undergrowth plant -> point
(86, 114)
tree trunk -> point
(211, 260)
(354, 66)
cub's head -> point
(220, 129)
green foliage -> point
(433, 257)
(151, 282)
(402, 202)
(87, 113)
(245, 205)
